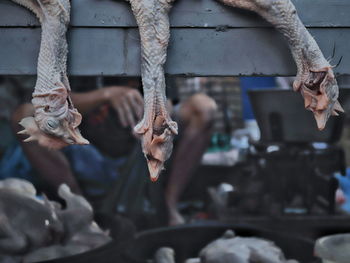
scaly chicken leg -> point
(315, 78)
(156, 128)
(56, 120)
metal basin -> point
(188, 240)
(334, 248)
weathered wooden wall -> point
(208, 38)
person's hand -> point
(127, 102)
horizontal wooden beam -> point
(185, 13)
(208, 39)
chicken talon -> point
(338, 107)
(24, 132)
(30, 139)
(297, 85)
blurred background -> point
(247, 152)
(248, 157)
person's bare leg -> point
(197, 115)
(51, 165)
(315, 79)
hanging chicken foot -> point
(55, 122)
(315, 78)
(156, 128)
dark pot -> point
(187, 241)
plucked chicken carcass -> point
(233, 249)
(164, 255)
(34, 230)
(156, 128)
(56, 121)
(315, 78)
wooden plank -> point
(186, 13)
(197, 52)
(104, 39)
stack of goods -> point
(36, 229)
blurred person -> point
(52, 166)
(111, 140)
(196, 118)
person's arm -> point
(127, 102)
(87, 101)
